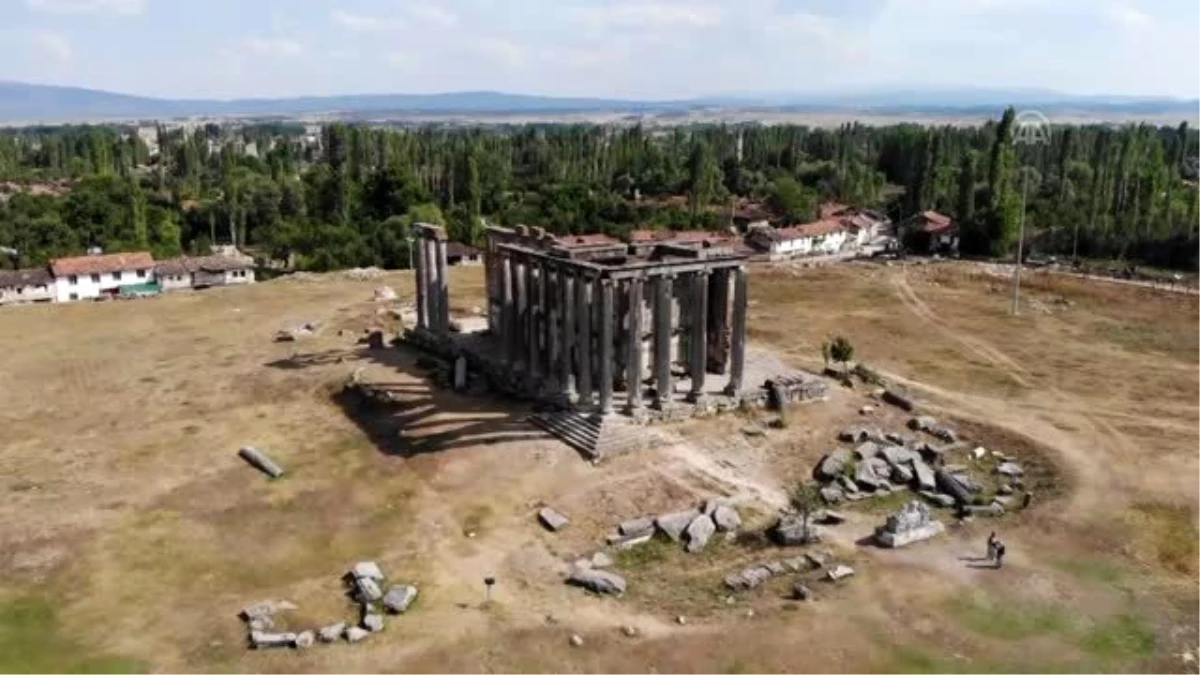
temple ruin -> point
(650, 330)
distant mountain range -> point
(33, 103)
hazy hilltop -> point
(29, 103)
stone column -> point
(521, 313)
(606, 346)
(431, 285)
(422, 278)
(633, 344)
(699, 343)
(506, 308)
(553, 305)
(533, 316)
(718, 322)
(443, 287)
(662, 339)
(583, 342)
(566, 352)
(737, 349)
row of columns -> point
(566, 328)
(433, 290)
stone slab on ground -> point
(552, 520)
(597, 581)
(332, 632)
(699, 532)
(398, 598)
(636, 526)
(674, 524)
(726, 518)
(367, 569)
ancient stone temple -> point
(654, 324)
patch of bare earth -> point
(128, 511)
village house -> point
(29, 285)
(203, 272)
(822, 237)
(92, 276)
(930, 232)
(461, 254)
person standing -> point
(991, 547)
(999, 554)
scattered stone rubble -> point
(881, 463)
(294, 333)
(365, 580)
(755, 575)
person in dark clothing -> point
(999, 553)
(991, 544)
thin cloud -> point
(432, 13)
(272, 46)
(629, 14)
(362, 22)
(87, 6)
(52, 45)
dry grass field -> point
(131, 534)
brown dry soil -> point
(131, 534)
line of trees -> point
(1105, 191)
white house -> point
(203, 272)
(29, 285)
(91, 276)
(821, 237)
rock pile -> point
(294, 333)
(755, 575)
(693, 528)
(911, 523)
(365, 580)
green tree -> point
(841, 351)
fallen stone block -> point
(726, 518)
(332, 632)
(367, 570)
(711, 504)
(792, 531)
(817, 559)
(864, 475)
(262, 640)
(398, 598)
(776, 567)
(979, 452)
(945, 433)
(699, 532)
(901, 475)
(624, 543)
(848, 484)
(304, 639)
(1005, 489)
(600, 560)
(896, 438)
(1011, 469)
(840, 572)
(911, 523)
(372, 622)
(900, 399)
(356, 634)
(794, 564)
(896, 455)
(553, 520)
(800, 591)
(637, 526)
(368, 589)
(943, 500)
(597, 581)
(866, 450)
(831, 495)
(924, 475)
(922, 423)
(258, 460)
(831, 465)
(674, 524)
(829, 517)
(261, 623)
(993, 510)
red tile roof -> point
(813, 229)
(701, 236)
(102, 264)
(209, 263)
(935, 222)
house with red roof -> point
(821, 237)
(931, 232)
(92, 276)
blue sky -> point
(622, 48)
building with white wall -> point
(203, 272)
(92, 276)
(821, 237)
(29, 285)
